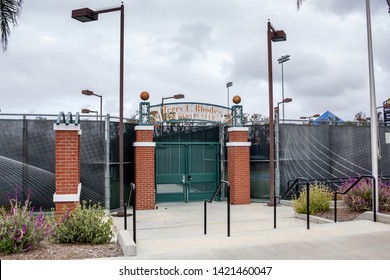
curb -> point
(381, 218)
(129, 248)
(313, 219)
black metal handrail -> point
(223, 182)
(335, 182)
(132, 194)
(352, 186)
(296, 184)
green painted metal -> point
(186, 171)
(144, 113)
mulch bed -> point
(343, 214)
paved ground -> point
(175, 231)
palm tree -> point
(9, 12)
(299, 3)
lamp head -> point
(178, 96)
(84, 15)
(278, 36)
(285, 58)
(87, 92)
(85, 111)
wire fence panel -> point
(27, 158)
(27, 155)
(315, 152)
(329, 152)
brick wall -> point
(238, 136)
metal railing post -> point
(134, 214)
(211, 200)
(205, 217)
(335, 207)
(132, 194)
(374, 196)
(308, 204)
(296, 183)
(125, 216)
(228, 209)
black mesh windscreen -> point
(27, 160)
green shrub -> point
(22, 229)
(87, 223)
(318, 200)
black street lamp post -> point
(87, 15)
(272, 36)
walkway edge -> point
(129, 248)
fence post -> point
(107, 167)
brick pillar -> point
(144, 167)
(238, 165)
(67, 167)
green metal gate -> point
(186, 171)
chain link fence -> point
(315, 152)
(27, 158)
(27, 155)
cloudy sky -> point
(194, 47)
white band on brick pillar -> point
(68, 197)
(238, 144)
(144, 127)
(144, 144)
(67, 127)
(238, 128)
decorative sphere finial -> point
(144, 95)
(236, 99)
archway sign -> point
(194, 112)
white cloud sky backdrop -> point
(195, 47)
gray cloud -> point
(195, 47)
(189, 43)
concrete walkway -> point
(175, 231)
